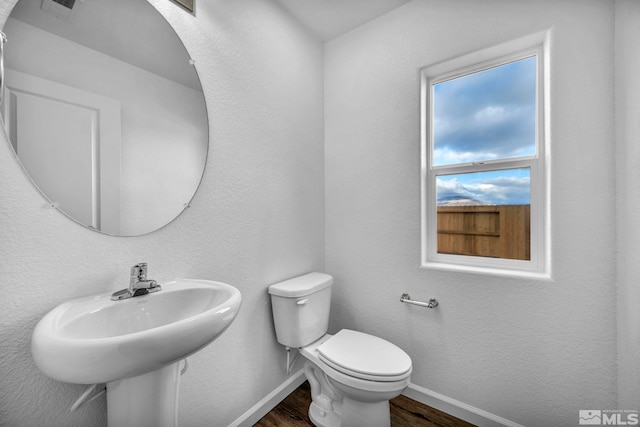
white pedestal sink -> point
(134, 345)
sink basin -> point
(96, 340)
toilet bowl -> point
(352, 381)
(352, 375)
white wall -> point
(627, 35)
(256, 219)
(164, 139)
(533, 352)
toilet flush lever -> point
(302, 301)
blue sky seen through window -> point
(504, 187)
(488, 115)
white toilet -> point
(352, 374)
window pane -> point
(501, 187)
(485, 214)
(486, 115)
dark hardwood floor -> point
(405, 412)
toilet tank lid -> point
(302, 285)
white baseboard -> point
(423, 395)
(270, 401)
(456, 408)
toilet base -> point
(322, 418)
(331, 407)
(358, 414)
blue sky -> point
(510, 187)
(485, 116)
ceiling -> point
(328, 19)
(111, 26)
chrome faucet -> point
(138, 284)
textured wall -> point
(531, 351)
(628, 202)
(256, 219)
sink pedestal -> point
(149, 400)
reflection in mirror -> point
(105, 111)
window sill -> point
(488, 271)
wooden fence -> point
(488, 231)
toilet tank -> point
(301, 308)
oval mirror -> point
(105, 111)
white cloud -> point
(489, 188)
(446, 156)
(486, 115)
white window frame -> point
(539, 265)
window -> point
(484, 182)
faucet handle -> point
(139, 271)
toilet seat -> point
(365, 356)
